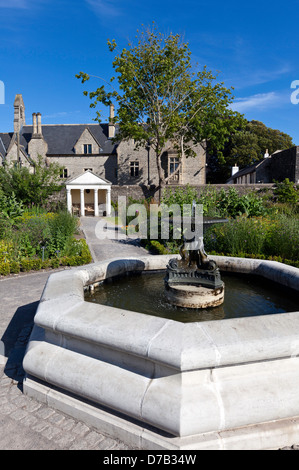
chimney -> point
(235, 170)
(266, 155)
(111, 126)
(34, 130)
(39, 124)
(19, 113)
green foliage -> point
(157, 248)
(286, 192)
(31, 188)
(60, 230)
(180, 196)
(249, 145)
(238, 235)
(10, 207)
(161, 99)
(257, 236)
(15, 267)
(78, 254)
(36, 229)
(30, 264)
(231, 204)
(246, 146)
(223, 203)
(283, 239)
(4, 268)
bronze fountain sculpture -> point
(193, 281)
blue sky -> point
(44, 43)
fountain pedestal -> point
(194, 281)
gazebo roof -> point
(88, 178)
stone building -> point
(81, 147)
(280, 165)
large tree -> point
(162, 102)
(246, 147)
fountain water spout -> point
(194, 281)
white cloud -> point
(105, 8)
(60, 114)
(259, 101)
(259, 77)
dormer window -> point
(87, 149)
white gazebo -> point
(88, 193)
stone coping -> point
(183, 347)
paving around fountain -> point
(26, 424)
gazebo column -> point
(96, 203)
(108, 201)
(82, 202)
(69, 199)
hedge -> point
(36, 264)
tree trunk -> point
(161, 176)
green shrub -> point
(15, 267)
(286, 192)
(268, 236)
(61, 229)
(85, 255)
(46, 264)
(283, 239)
(223, 203)
(242, 234)
(231, 204)
(157, 247)
(10, 207)
(54, 263)
(4, 268)
(180, 196)
(28, 264)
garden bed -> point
(38, 240)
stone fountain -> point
(193, 281)
(156, 383)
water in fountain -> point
(245, 296)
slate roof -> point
(248, 169)
(61, 138)
(5, 139)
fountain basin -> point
(159, 384)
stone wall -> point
(12, 157)
(127, 153)
(263, 172)
(193, 169)
(86, 138)
(103, 165)
(143, 192)
(37, 146)
(285, 164)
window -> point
(86, 169)
(63, 173)
(134, 169)
(173, 164)
(87, 149)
